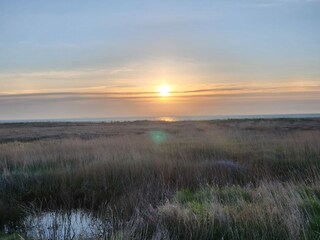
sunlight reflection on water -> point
(55, 225)
(167, 119)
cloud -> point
(220, 92)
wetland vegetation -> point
(222, 179)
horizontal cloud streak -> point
(199, 93)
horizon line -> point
(163, 118)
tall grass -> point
(203, 180)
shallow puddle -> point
(56, 225)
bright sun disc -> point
(164, 90)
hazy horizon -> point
(165, 118)
(107, 59)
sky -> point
(92, 59)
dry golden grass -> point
(236, 179)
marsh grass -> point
(204, 180)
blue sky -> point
(70, 58)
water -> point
(76, 224)
(168, 118)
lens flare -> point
(158, 136)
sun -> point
(164, 90)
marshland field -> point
(221, 179)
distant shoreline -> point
(167, 118)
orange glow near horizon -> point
(167, 119)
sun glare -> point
(164, 90)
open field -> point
(223, 179)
